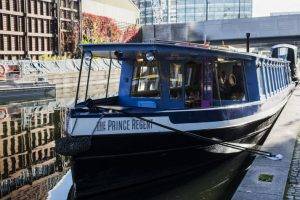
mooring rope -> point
(215, 141)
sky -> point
(265, 7)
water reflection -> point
(214, 182)
(29, 166)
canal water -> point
(30, 167)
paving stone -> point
(293, 190)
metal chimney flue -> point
(248, 42)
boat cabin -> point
(290, 53)
(181, 76)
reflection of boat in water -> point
(176, 101)
(216, 181)
(12, 88)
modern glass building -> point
(181, 11)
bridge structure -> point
(265, 31)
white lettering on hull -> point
(123, 125)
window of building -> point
(37, 47)
(42, 44)
(1, 21)
(9, 43)
(29, 21)
(19, 144)
(40, 155)
(7, 5)
(176, 81)
(40, 138)
(49, 44)
(146, 81)
(46, 152)
(22, 24)
(16, 24)
(45, 118)
(5, 148)
(1, 6)
(41, 8)
(23, 5)
(15, 5)
(8, 24)
(47, 8)
(35, 7)
(1, 43)
(34, 159)
(36, 26)
(12, 146)
(17, 46)
(29, 6)
(42, 26)
(30, 43)
(47, 26)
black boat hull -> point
(139, 158)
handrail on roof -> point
(179, 43)
(192, 44)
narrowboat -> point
(176, 102)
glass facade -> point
(182, 11)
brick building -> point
(31, 28)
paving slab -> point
(281, 140)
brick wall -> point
(30, 27)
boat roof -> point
(172, 50)
(285, 45)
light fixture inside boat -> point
(150, 56)
(221, 59)
(118, 54)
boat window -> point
(176, 79)
(193, 82)
(230, 85)
(145, 81)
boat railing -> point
(197, 45)
(226, 48)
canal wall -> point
(64, 74)
(266, 179)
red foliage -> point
(70, 38)
(98, 29)
(130, 33)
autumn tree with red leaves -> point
(99, 29)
